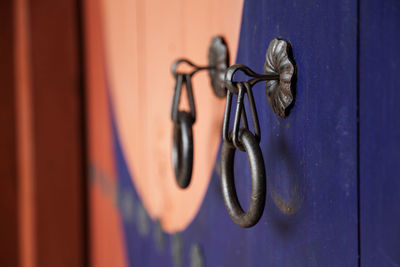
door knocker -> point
(279, 70)
(182, 150)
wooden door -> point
(379, 133)
(327, 202)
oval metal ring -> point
(258, 180)
(182, 150)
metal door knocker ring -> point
(279, 70)
(182, 150)
(241, 138)
(258, 180)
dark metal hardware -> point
(258, 180)
(279, 61)
(241, 138)
(182, 150)
(240, 115)
(279, 74)
(183, 79)
(182, 153)
(256, 77)
(279, 71)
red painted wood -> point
(58, 135)
(42, 149)
(8, 160)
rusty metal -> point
(240, 115)
(218, 62)
(279, 74)
(182, 152)
(279, 61)
(255, 77)
(258, 180)
(241, 138)
(218, 56)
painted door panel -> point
(331, 165)
(379, 133)
(310, 217)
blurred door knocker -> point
(182, 151)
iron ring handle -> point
(258, 180)
(240, 116)
(182, 150)
(184, 60)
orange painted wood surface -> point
(141, 41)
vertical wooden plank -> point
(42, 149)
(106, 237)
(25, 145)
(8, 157)
(379, 132)
(57, 116)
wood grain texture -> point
(9, 252)
(25, 144)
(379, 133)
(57, 133)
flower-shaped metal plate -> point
(218, 57)
(279, 61)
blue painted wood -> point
(311, 158)
(380, 132)
(310, 217)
